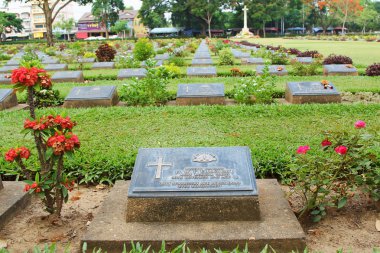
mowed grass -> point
(361, 52)
(110, 137)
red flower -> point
(34, 185)
(45, 80)
(360, 124)
(26, 188)
(38, 189)
(29, 124)
(341, 150)
(14, 153)
(303, 149)
(24, 152)
(11, 155)
(326, 143)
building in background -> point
(22, 11)
(89, 26)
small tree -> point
(107, 12)
(143, 50)
(121, 26)
(65, 25)
(53, 139)
(347, 9)
(9, 20)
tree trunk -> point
(264, 34)
(209, 28)
(49, 23)
(344, 20)
(106, 26)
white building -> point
(22, 11)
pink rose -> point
(303, 149)
(341, 150)
(360, 124)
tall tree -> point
(152, 13)
(120, 26)
(369, 18)
(51, 9)
(324, 12)
(66, 25)
(107, 11)
(347, 9)
(9, 21)
(206, 10)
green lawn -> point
(361, 52)
(111, 136)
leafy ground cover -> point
(111, 136)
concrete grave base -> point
(308, 99)
(200, 101)
(277, 227)
(9, 101)
(12, 199)
(106, 102)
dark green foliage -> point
(47, 98)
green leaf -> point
(317, 218)
(315, 212)
(49, 153)
(342, 202)
(37, 178)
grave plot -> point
(103, 65)
(304, 60)
(201, 62)
(162, 57)
(311, 92)
(8, 69)
(253, 61)
(340, 70)
(206, 196)
(91, 96)
(202, 55)
(158, 63)
(55, 67)
(13, 62)
(4, 79)
(278, 70)
(8, 99)
(197, 94)
(131, 73)
(86, 60)
(201, 71)
(68, 76)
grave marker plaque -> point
(278, 70)
(4, 79)
(253, 61)
(202, 55)
(162, 57)
(311, 92)
(103, 65)
(8, 99)
(55, 67)
(13, 62)
(304, 60)
(201, 71)
(339, 70)
(68, 76)
(130, 73)
(8, 69)
(201, 62)
(50, 61)
(206, 181)
(91, 96)
(196, 94)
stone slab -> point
(12, 199)
(158, 63)
(202, 55)
(4, 79)
(201, 62)
(68, 76)
(253, 61)
(47, 60)
(13, 62)
(86, 60)
(162, 57)
(311, 92)
(278, 226)
(339, 70)
(273, 70)
(201, 71)
(197, 94)
(131, 73)
(103, 65)
(8, 99)
(91, 96)
(8, 69)
(305, 60)
(55, 67)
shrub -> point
(236, 72)
(47, 98)
(294, 51)
(300, 69)
(373, 70)
(226, 57)
(5, 57)
(150, 90)
(143, 49)
(312, 53)
(337, 59)
(50, 51)
(172, 71)
(89, 55)
(177, 61)
(328, 178)
(126, 61)
(279, 58)
(255, 89)
(105, 53)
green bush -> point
(256, 89)
(5, 57)
(300, 69)
(177, 61)
(126, 61)
(143, 50)
(150, 90)
(47, 98)
(226, 57)
(279, 58)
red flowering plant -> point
(345, 164)
(54, 138)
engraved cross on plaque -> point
(159, 164)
